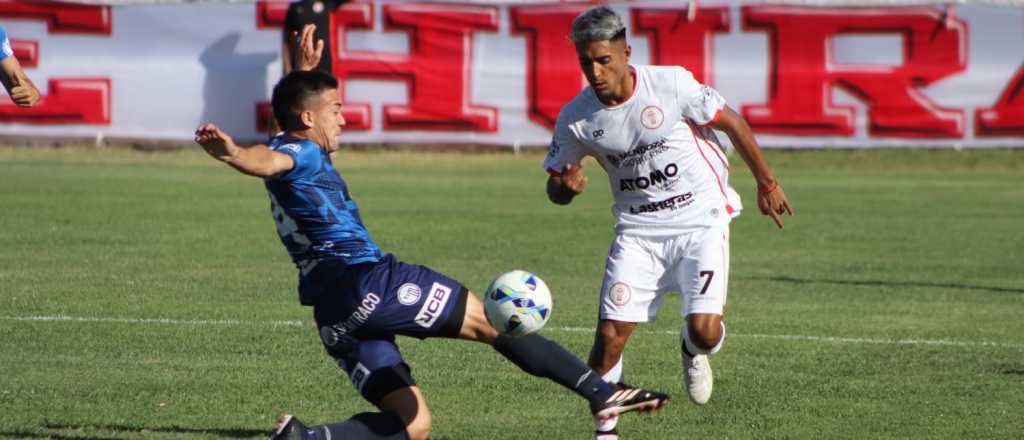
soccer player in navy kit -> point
(363, 297)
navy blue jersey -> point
(316, 219)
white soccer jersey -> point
(666, 169)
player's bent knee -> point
(705, 331)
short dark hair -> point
(293, 92)
(598, 23)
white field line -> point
(298, 323)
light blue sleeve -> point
(5, 45)
(307, 158)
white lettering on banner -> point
(432, 308)
(778, 73)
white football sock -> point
(612, 376)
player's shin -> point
(369, 426)
(545, 358)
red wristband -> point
(766, 191)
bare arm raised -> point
(771, 199)
(257, 160)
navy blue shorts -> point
(359, 309)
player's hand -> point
(773, 203)
(308, 55)
(573, 178)
(24, 93)
(216, 142)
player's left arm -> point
(771, 199)
(257, 160)
(23, 92)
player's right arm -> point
(568, 184)
(23, 92)
(257, 160)
(563, 164)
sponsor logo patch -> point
(678, 201)
(652, 117)
(409, 294)
(331, 334)
(434, 305)
(657, 178)
(620, 294)
(637, 155)
(294, 147)
(359, 375)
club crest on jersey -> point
(652, 117)
(409, 294)
(620, 294)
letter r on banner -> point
(69, 100)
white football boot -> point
(697, 376)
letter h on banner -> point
(69, 100)
(437, 69)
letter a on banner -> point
(1006, 118)
(69, 100)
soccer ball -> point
(517, 303)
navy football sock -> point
(545, 358)
(368, 426)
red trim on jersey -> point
(718, 114)
(553, 173)
(718, 179)
(717, 149)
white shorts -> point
(641, 270)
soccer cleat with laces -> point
(627, 398)
(697, 376)
(290, 428)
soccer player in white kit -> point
(650, 128)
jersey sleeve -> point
(5, 45)
(564, 149)
(699, 103)
(306, 156)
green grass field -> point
(145, 296)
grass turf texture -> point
(889, 307)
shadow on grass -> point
(1015, 371)
(878, 283)
(23, 434)
(223, 433)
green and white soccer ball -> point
(517, 303)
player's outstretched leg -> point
(404, 416)
(542, 357)
(698, 340)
